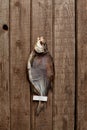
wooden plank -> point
(64, 46)
(19, 50)
(4, 66)
(41, 21)
(82, 64)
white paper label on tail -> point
(40, 98)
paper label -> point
(40, 98)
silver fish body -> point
(41, 70)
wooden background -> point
(64, 24)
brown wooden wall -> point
(64, 25)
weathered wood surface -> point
(64, 39)
(55, 20)
(4, 67)
(41, 25)
(82, 64)
(19, 51)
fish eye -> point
(45, 44)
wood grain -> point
(4, 67)
(41, 22)
(55, 20)
(82, 64)
(64, 39)
(19, 50)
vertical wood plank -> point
(4, 67)
(64, 39)
(19, 50)
(82, 64)
(42, 26)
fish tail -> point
(40, 107)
